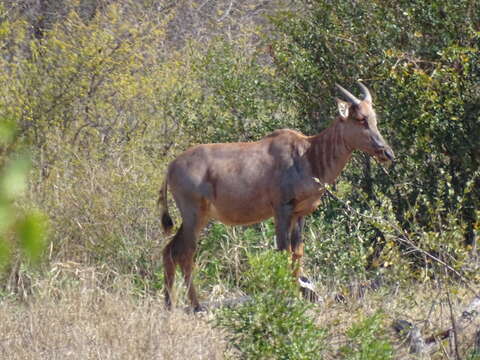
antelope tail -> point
(167, 222)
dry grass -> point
(72, 317)
(70, 313)
(425, 305)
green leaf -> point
(7, 131)
(7, 216)
(13, 183)
(32, 233)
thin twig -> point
(405, 240)
(454, 332)
(227, 12)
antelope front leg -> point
(283, 222)
(297, 245)
(307, 288)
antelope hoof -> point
(307, 288)
(199, 309)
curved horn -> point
(366, 93)
(351, 98)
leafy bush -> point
(223, 255)
(421, 60)
(94, 101)
(275, 323)
(473, 355)
(367, 340)
(23, 230)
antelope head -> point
(361, 132)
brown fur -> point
(246, 183)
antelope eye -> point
(364, 122)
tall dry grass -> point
(70, 316)
(71, 312)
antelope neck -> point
(328, 153)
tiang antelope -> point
(248, 182)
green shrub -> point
(275, 323)
(23, 230)
(366, 340)
(224, 252)
(421, 62)
(473, 355)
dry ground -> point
(70, 315)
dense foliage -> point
(275, 323)
(105, 93)
(421, 59)
(21, 230)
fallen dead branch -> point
(420, 345)
(307, 289)
(476, 345)
(212, 305)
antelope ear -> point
(343, 108)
